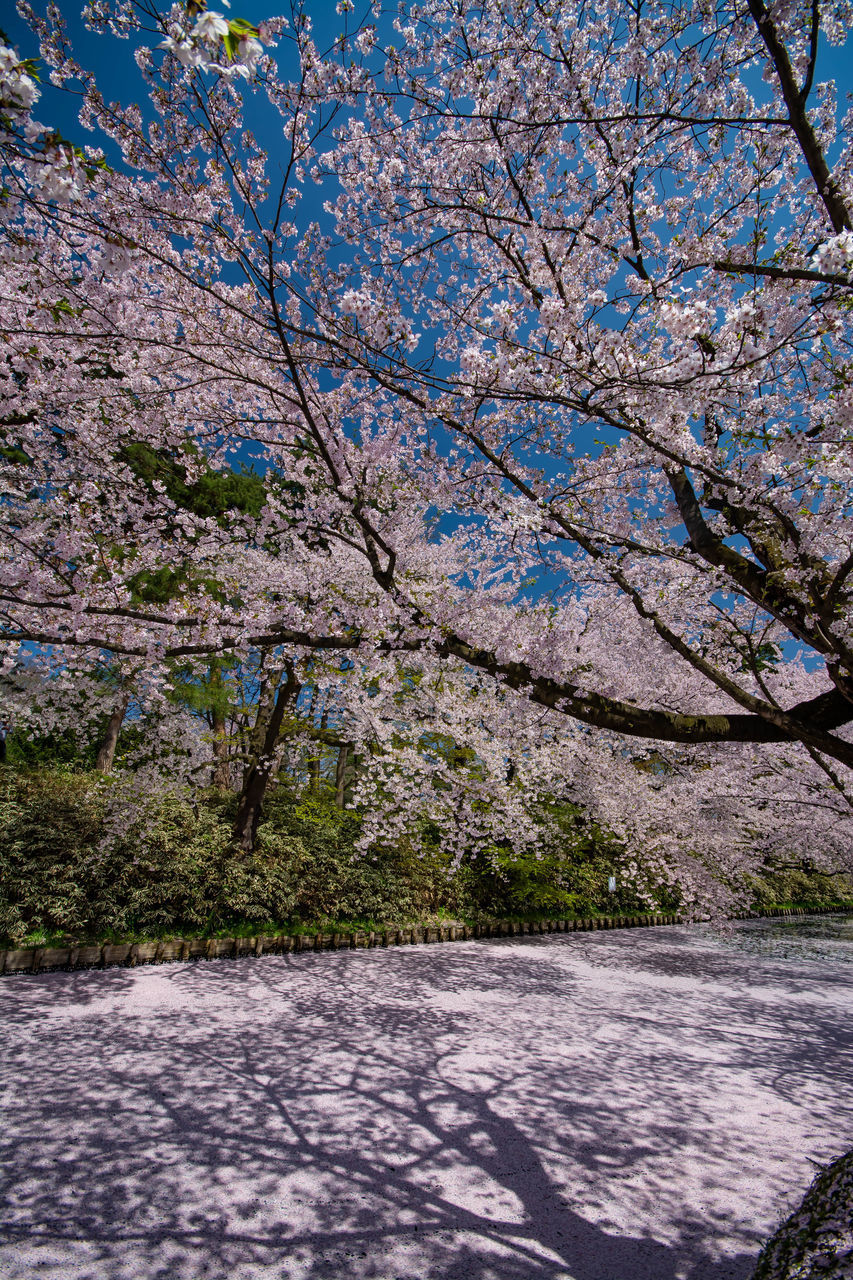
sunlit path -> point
(620, 1106)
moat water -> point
(790, 937)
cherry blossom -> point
(553, 403)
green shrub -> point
(567, 875)
(336, 881)
(175, 872)
(63, 751)
(556, 883)
(59, 876)
(777, 885)
(49, 824)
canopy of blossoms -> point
(551, 403)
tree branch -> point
(795, 101)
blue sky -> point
(112, 59)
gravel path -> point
(635, 1105)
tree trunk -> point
(341, 773)
(107, 749)
(257, 776)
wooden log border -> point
(126, 954)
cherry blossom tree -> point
(553, 401)
(628, 258)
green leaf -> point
(14, 453)
(30, 66)
(64, 308)
(212, 494)
(241, 28)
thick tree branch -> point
(782, 273)
(810, 721)
(805, 722)
(795, 101)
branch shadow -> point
(482, 1111)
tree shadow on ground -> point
(434, 1113)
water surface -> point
(789, 937)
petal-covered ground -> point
(636, 1105)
